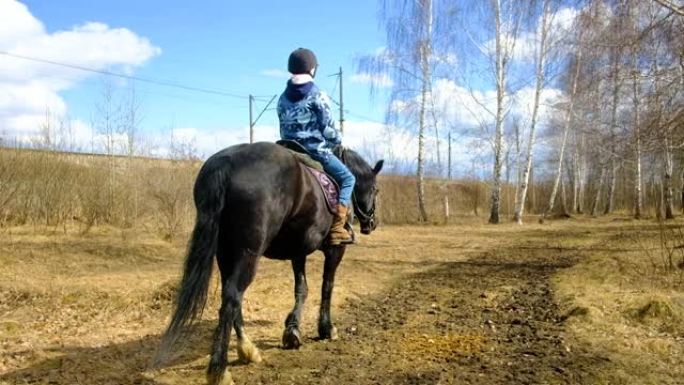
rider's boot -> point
(339, 235)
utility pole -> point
(341, 104)
(252, 122)
(449, 157)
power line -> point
(346, 111)
(364, 117)
(130, 77)
(265, 98)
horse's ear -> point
(378, 167)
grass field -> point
(590, 301)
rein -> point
(363, 216)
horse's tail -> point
(209, 193)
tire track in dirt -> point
(489, 320)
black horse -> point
(253, 200)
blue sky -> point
(237, 47)
(230, 46)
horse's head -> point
(365, 194)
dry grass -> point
(443, 347)
(622, 307)
(107, 289)
(62, 190)
(72, 305)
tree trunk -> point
(575, 175)
(541, 59)
(682, 190)
(425, 52)
(564, 209)
(449, 158)
(599, 189)
(421, 161)
(566, 128)
(667, 182)
(508, 182)
(498, 135)
(582, 175)
(638, 199)
(518, 171)
(611, 186)
(559, 172)
(476, 199)
(613, 128)
(533, 192)
(440, 168)
(658, 197)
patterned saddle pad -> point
(327, 184)
(329, 187)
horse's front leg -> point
(292, 338)
(333, 256)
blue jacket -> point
(304, 114)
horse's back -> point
(246, 157)
(267, 197)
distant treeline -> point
(70, 190)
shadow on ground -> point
(491, 319)
(118, 363)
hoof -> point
(328, 333)
(291, 338)
(226, 379)
(247, 352)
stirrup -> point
(350, 230)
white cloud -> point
(17, 22)
(471, 109)
(30, 88)
(563, 19)
(524, 44)
(524, 101)
(203, 143)
(372, 139)
(380, 80)
(275, 73)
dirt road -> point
(413, 305)
(490, 319)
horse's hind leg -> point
(246, 350)
(230, 302)
(292, 338)
(237, 272)
(333, 256)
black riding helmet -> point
(301, 61)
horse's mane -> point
(353, 160)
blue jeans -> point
(344, 178)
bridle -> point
(365, 217)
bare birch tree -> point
(638, 197)
(541, 53)
(615, 54)
(407, 59)
(131, 122)
(506, 24)
(567, 120)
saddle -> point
(330, 189)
